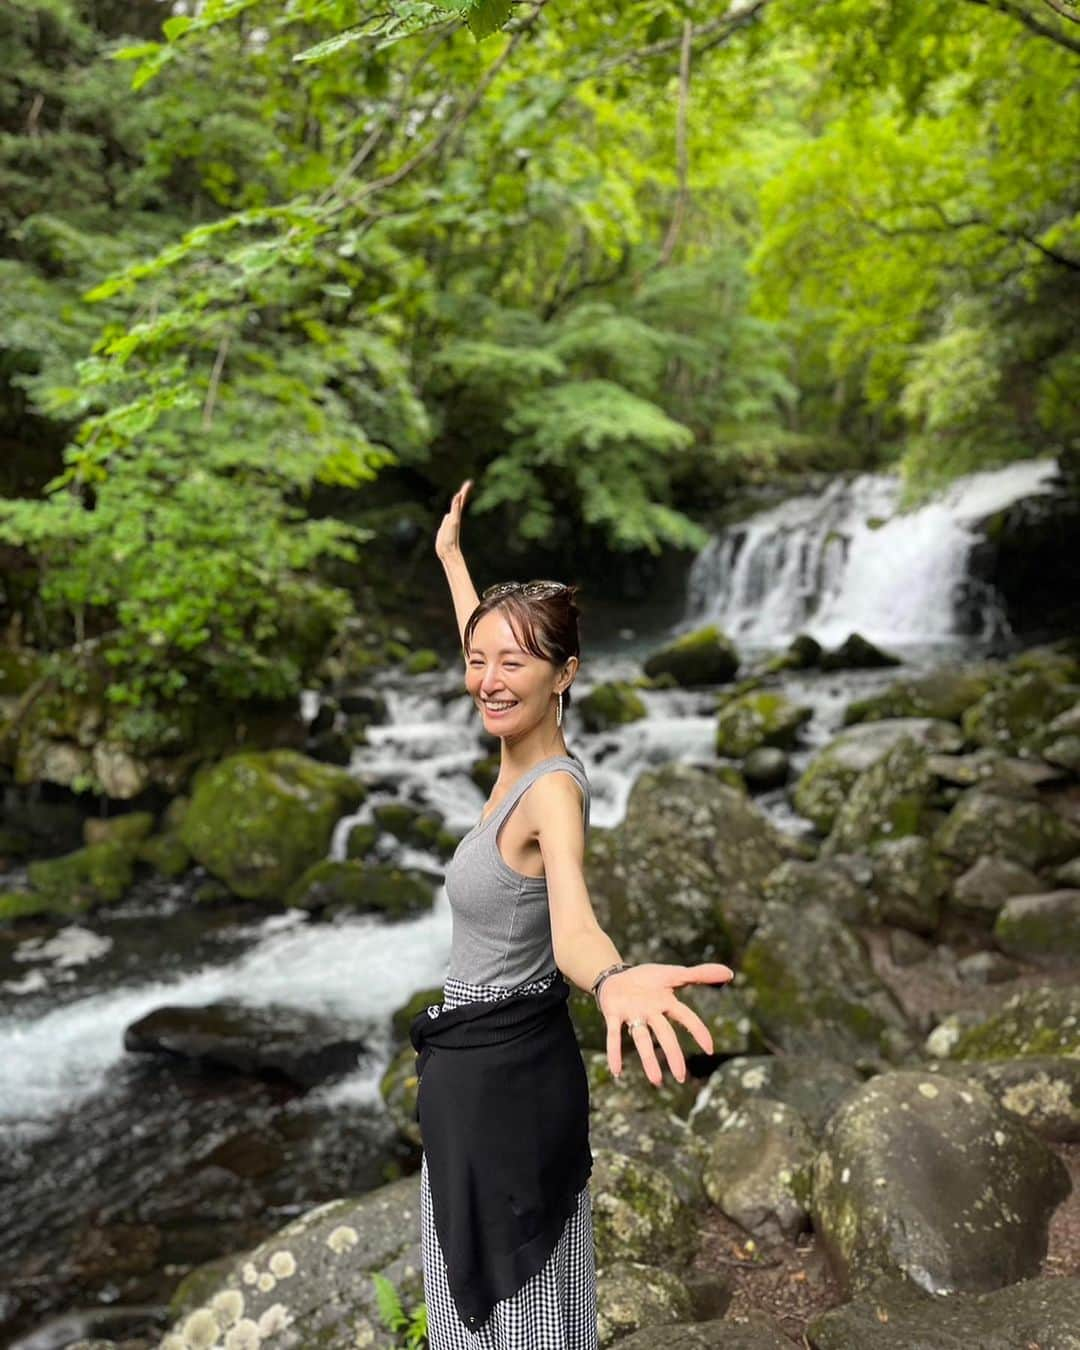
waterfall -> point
(849, 560)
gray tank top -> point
(502, 928)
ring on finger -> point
(637, 1022)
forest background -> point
(276, 275)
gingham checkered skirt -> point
(556, 1308)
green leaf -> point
(487, 17)
(176, 26)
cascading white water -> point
(848, 561)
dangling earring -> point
(558, 711)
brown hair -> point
(545, 625)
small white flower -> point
(283, 1264)
(243, 1336)
(228, 1306)
(342, 1238)
(200, 1331)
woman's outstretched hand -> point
(648, 992)
(448, 539)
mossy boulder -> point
(705, 656)
(166, 853)
(928, 1178)
(840, 883)
(612, 704)
(944, 694)
(679, 879)
(636, 1297)
(1042, 928)
(311, 1283)
(988, 883)
(130, 828)
(758, 1168)
(258, 820)
(887, 801)
(99, 874)
(421, 661)
(766, 768)
(752, 1331)
(857, 653)
(1009, 718)
(1044, 1020)
(725, 1011)
(637, 1213)
(366, 888)
(398, 1088)
(909, 884)
(893, 1314)
(802, 653)
(812, 1085)
(815, 991)
(23, 904)
(1026, 832)
(760, 718)
(831, 773)
(1042, 1091)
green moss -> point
(165, 853)
(96, 875)
(610, 705)
(20, 904)
(704, 656)
(423, 660)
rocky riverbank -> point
(879, 1154)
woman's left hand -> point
(646, 993)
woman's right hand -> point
(448, 539)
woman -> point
(506, 1223)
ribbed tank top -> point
(501, 924)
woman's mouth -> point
(500, 709)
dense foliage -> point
(609, 260)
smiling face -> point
(498, 670)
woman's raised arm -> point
(448, 551)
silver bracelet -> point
(611, 970)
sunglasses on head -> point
(524, 588)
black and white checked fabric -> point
(556, 1308)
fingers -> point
(669, 1043)
(693, 1023)
(614, 1046)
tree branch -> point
(1066, 8)
(681, 153)
(1021, 15)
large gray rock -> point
(943, 693)
(840, 883)
(909, 884)
(758, 718)
(758, 1168)
(759, 1333)
(705, 656)
(679, 879)
(1011, 717)
(812, 1084)
(831, 773)
(1026, 832)
(888, 801)
(1044, 1020)
(988, 883)
(1042, 1091)
(637, 1213)
(310, 1284)
(926, 1177)
(815, 991)
(1040, 1314)
(633, 1296)
(1043, 928)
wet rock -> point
(1044, 929)
(894, 1315)
(1044, 1020)
(264, 1042)
(311, 1283)
(812, 1085)
(165, 853)
(758, 1168)
(366, 888)
(802, 653)
(831, 773)
(909, 885)
(1068, 874)
(765, 768)
(758, 1332)
(1028, 833)
(988, 883)
(131, 828)
(925, 1177)
(1064, 752)
(637, 1213)
(612, 704)
(78, 882)
(633, 1296)
(759, 718)
(816, 991)
(705, 656)
(943, 693)
(398, 1089)
(259, 820)
(840, 883)
(679, 880)
(1042, 1091)
(888, 801)
(857, 653)
(986, 968)
(1009, 718)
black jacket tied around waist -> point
(503, 1106)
